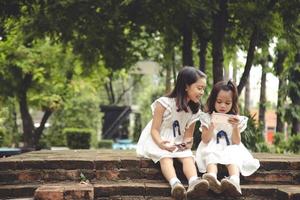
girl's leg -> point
(197, 186)
(212, 168)
(168, 170)
(211, 177)
(232, 184)
(189, 168)
(233, 170)
(234, 173)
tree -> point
(99, 32)
(32, 74)
(290, 19)
(202, 21)
(220, 19)
(262, 99)
(294, 86)
(254, 24)
(281, 56)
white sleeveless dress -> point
(147, 148)
(219, 152)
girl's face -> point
(223, 102)
(196, 90)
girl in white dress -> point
(169, 134)
(221, 140)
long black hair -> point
(225, 86)
(186, 77)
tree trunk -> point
(168, 52)
(15, 125)
(168, 79)
(250, 54)
(278, 66)
(262, 99)
(38, 132)
(247, 96)
(174, 67)
(294, 92)
(187, 53)
(295, 126)
(280, 99)
(27, 122)
(250, 57)
(219, 26)
(109, 89)
(106, 86)
(202, 54)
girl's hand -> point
(211, 128)
(188, 143)
(234, 121)
(165, 145)
(207, 133)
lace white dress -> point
(219, 151)
(172, 129)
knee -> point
(186, 160)
(165, 161)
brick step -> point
(134, 198)
(18, 191)
(49, 175)
(153, 188)
(108, 159)
(273, 177)
(135, 189)
(102, 165)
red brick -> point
(49, 193)
(29, 175)
(107, 174)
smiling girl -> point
(169, 135)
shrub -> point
(263, 147)
(106, 144)
(78, 138)
(294, 144)
(137, 127)
(1, 137)
(253, 134)
(280, 143)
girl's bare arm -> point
(207, 133)
(155, 128)
(236, 136)
(188, 136)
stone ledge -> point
(137, 188)
(65, 192)
(116, 159)
(27, 176)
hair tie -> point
(230, 84)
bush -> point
(78, 138)
(280, 143)
(263, 147)
(294, 144)
(1, 137)
(106, 144)
(253, 135)
(137, 127)
(80, 110)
